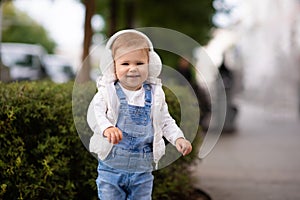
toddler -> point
(129, 117)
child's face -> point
(132, 69)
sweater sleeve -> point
(97, 114)
(170, 129)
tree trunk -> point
(130, 13)
(84, 73)
(113, 17)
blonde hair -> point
(128, 42)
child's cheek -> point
(120, 74)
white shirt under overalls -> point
(103, 113)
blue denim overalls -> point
(126, 172)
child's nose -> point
(133, 68)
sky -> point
(64, 19)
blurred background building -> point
(259, 42)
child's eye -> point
(140, 63)
(125, 64)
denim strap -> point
(121, 94)
(148, 96)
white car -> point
(58, 68)
(25, 61)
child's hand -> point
(113, 134)
(183, 146)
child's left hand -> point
(183, 146)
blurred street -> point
(259, 161)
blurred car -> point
(25, 61)
(58, 68)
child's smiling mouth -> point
(133, 76)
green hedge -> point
(42, 156)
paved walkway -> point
(260, 161)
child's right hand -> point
(113, 134)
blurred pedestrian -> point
(231, 109)
(185, 68)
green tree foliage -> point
(191, 17)
(19, 27)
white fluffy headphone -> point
(107, 62)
